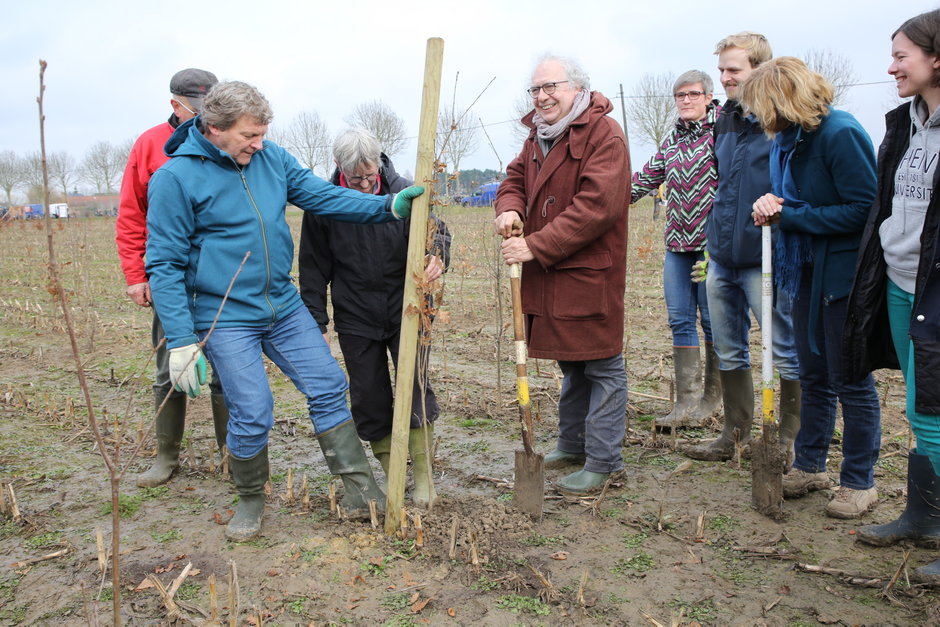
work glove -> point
(187, 369)
(700, 269)
(401, 202)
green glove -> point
(187, 369)
(401, 202)
(700, 269)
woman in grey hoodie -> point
(894, 308)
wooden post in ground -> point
(411, 308)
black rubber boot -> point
(249, 476)
(168, 427)
(424, 493)
(346, 458)
(928, 574)
(688, 374)
(791, 397)
(711, 389)
(220, 420)
(920, 520)
(737, 391)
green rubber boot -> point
(382, 450)
(419, 448)
(560, 459)
(220, 420)
(710, 404)
(249, 476)
(791, 397)
(346, 458)
(582, 482)
(688, 385)
(737, 390)
(168, 426)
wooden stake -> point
(700, 527)
(102, 552)
(373, 513)
(14, 508)
(304, 494)
(4, 510)
(419, 531)
(412, 296)
(454, 527)
(213, 601)
(403, 524)
(474, 557)
(232, 594)
(289, 497)
(224, 455)
(581, 585)
(332, 490)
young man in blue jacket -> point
(733, 283)
(221, 200)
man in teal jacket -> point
(218, 201)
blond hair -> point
(756, 45)
(784, 91)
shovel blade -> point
(767, 463)
(528, 493)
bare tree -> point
(652, 109)
(62, 171)
(32, 177)
(457, 137)
(377, 118)
(11, 173)
(102, 166)
(308, 139)
(835, 68)
(521, 107)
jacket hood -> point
(188, 141)
(387, 171)
(692, 127)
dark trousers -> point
(370, 385)
(822, 385)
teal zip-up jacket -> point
(206, 212)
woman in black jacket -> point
(894, 308)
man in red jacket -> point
(563, 212)
(187, 89)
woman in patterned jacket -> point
(685, 163)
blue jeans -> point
(592, 411)
(731, 293)
(926, 427)
(685, 298)
(296, 346)
(822, 386)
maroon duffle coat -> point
(574, 205)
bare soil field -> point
(671, 542)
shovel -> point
(529, 488)
(767, 459)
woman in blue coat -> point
(822, 170)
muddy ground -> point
(669, 543)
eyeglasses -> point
(691, 95)
(548, 88)
(357, 180)
(180, 103)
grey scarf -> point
(551, 132)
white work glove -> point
(187, 369)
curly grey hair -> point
(355, 146)
(691, 77)
(573, 70)
(228, 101)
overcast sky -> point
(110, 62)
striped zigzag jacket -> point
(686, 164)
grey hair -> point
(355, 146)
(691, 77)
(228, 101)
(573, 70)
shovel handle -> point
(522, 376)
(767, 326)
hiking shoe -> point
(849, 503)
(797, 483)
